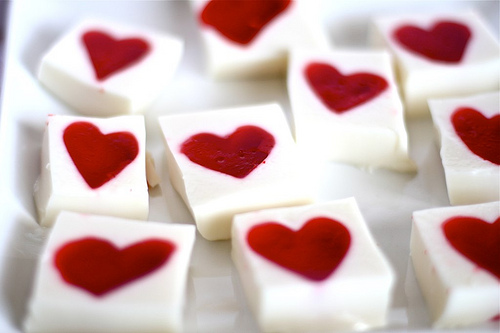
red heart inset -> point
(236, 154)
(477, 240)
(98, 157)
(109, 55)
(480, 134)
(314, 251)
(97, 266)
(445, 41)
(241, 21)
(339, 92)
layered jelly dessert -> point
(312, 268)
(468, 130)
(251, 39)
(455, 253)
(102, 68)
(93, 165)
(233, 160)
(346, 107)
(108, 274)
(440, 55)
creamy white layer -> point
(356, 296)
(285, 177)
(61, 186)
(66, 70)
(151, 303)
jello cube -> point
(103, 68)
(108, 274)
(312, 268)
(456, 259)
(468, 130)
(251, 39)
(440, 55)
(93, 165)
(234, 160)
(346, 108)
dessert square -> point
(251, 39)
(102, 68)
(108, 274)
(440, 55)
(346, 108)
(468, 130)
(234, 160)
(312, 268)
(455, 252)
(93, 165)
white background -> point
(215, 300)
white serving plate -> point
(215, 299)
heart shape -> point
(109, 55)
(98, 157)
(480, 134)
(98, 266)
(241, 21)
(477, 240)
(445, 41)
(236, 154)
(339, 92)
(314, 251)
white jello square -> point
(346, 108)
(312, 268)
(93, 165)
(234, 160)
(108, 274)
(455, 253)
(440, 55)
(251, 39)
(468, 129)
(102, 68)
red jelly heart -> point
(98, 266)
(477, 240)
(98, 157)
(241, 21)
(236, 154)
(339, 92)
(480, 134)
(314, 251)
(445, 41)
(109, 55)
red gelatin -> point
(339, 92)
(110, 55)
(314, 252)
(98, 157)
(477, 240)
(480, 134)
(98, 266)
(445, 41)
(241, 21)
(237, 154)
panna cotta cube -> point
(234, 160)
(346, 108)
(440, 55)
(312, 268)
(93, 165)
(468, 130)
(101, 68)
(108, 274)
(251, 39)
(455, 253)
